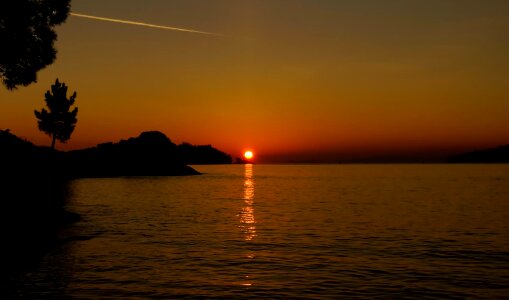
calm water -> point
(289, 231)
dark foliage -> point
(58, 121)
(33, 194)
(496, 155)
(27, 38)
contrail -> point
(144, 24)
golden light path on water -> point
(247, 218)
(143, 24)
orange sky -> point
(296, 78)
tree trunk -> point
(53, 141)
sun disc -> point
(248, 154)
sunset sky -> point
(291, 79)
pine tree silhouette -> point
(58, 122)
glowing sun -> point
(248, 155)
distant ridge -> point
(494, 155)
(202, 155)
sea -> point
(403, 231)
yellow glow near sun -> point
(248, 154)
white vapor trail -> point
(143, 24)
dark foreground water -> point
(290, 231)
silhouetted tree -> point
(27, 38)
(58, 122)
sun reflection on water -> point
(247, 218)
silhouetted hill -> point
(28, 173)
(202, 155)
(18, 155)
(150, 154)
(495, 155)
